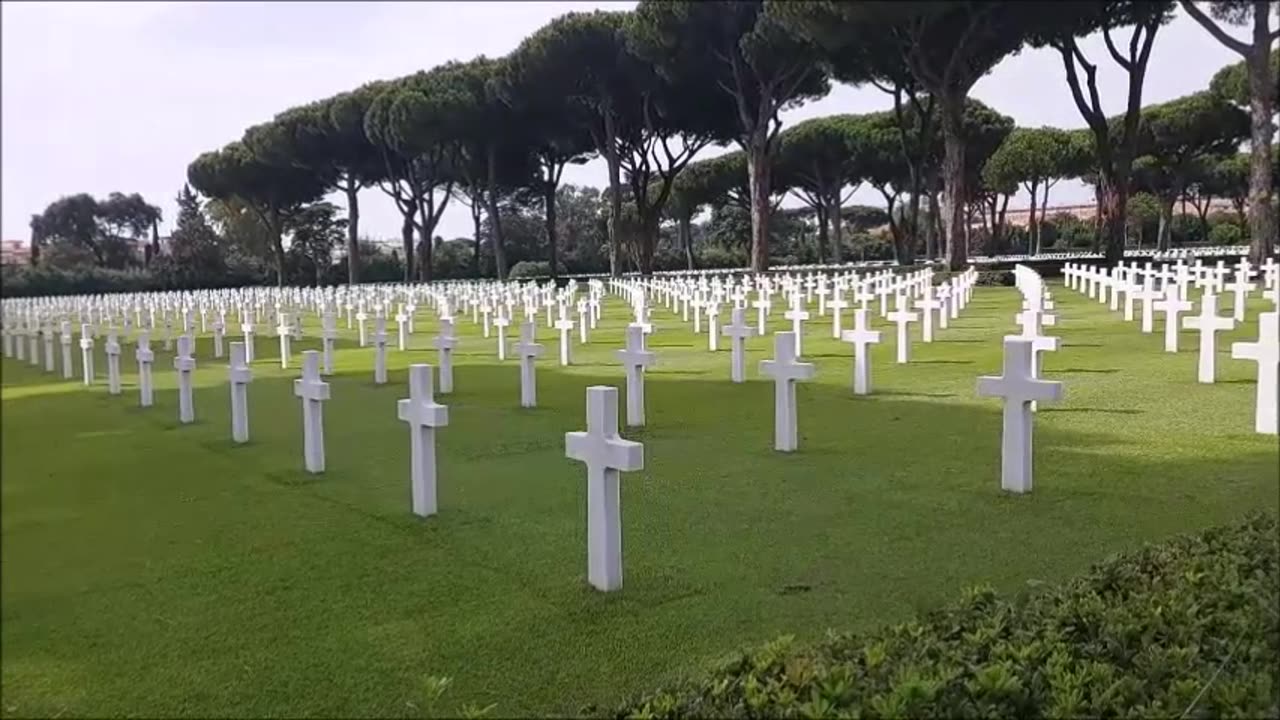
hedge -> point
(1186, 628)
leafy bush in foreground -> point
(1186, 628)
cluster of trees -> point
(650, 90)
(112, 233)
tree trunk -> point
(353, 233)
(686, 239)
(549, 200)
(911, 219)
(836, 219)
(648, 242)
(1163, 240)
(274, 226)
(953, 181)
(1033, 235)
(477, 207)
(935, 221)
(425, 249)
(495, 216)
(1111, 215)
(406, 238)
(1262, 105)
(610, 152)
(821, 212)
(758, 186)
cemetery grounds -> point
(159, 569)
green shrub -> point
(1227, 233)
(1185, 628)
(530, 269)
(716, 257)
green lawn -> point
(157, 569)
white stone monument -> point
(1265, 352)
(146, 358)
(313, 392)
(635, 358)
(86, 353)
(785, 371)
(239, 376)
(185, 364)
(112, 348)
(738, 331)
(606, 455)
(1208, 323)
(862, 338)
(1018, 389)
(380, 351)
(423, 415)
(445, 342)
(529, 352)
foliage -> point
(1188, 625)
(78, 229)
(1231, 83)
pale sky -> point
(104, 96)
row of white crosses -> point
(1166, 289)
(600, 447)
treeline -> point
(650, 90)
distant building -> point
(14, 252)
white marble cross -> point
(1240, 287)
(380, 351)
(283, 332)
(785, 371)
(86, 353)
(927, 305)
(606, 455)
(402, 326)
(328, 334)
(47, 333)
(246, 327)
(1018, 389)
(713, 325)
(762, 305)
(219, 328)
(501, 322)
(738, 331)
(1265, 352)
(112, 349)
(146, 358)
(529, 352)
(185, 364)
(423, 415)
(1208, 323)
(837, 304)
(239, 376)
(862, 337)
(797, 315)
(445, 342)
(565, 326)
(68, 369)
(902, 318)
(361, 317)
(1172, 305)
(635, 358)
(313, 392)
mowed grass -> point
(156, 569)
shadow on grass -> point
(1103, 371)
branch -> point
(1115, 54)
(1217, 32)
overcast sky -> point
(122, 96)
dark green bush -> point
(1227, 233)
(530, 269)
(1186, 628)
